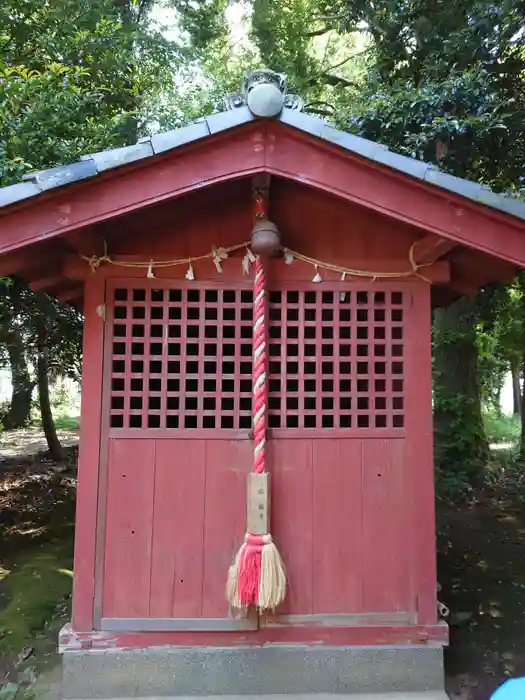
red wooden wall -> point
(350, 425)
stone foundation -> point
(411, 672)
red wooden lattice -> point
(336, 359)
(182, 358)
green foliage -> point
(458, 123)
(70, 81)
(66, 421)
(501, 428)
(76, 76)
(204, 22)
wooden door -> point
(178, 401)
(178, 380)
(341, 493)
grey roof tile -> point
(14, 193)
(227, 120)
(177, 137)
(90, 165)
(303, 121)
(465, 188)
(363, 147)
(510, 205)
(113, 158)
(62, 175)
(404, 164)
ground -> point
(481, 573)
(36, 556)
(481, 570)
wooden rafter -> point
(85, 241)
(430, 248)
(72, 294)
(20, 261)
(47, 282)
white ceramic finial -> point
(265, 100)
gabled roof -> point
(92, 165)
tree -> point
(12, 353)
(447, 87)
(76, 76)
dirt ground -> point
(480, 562)
(30, 442)
(481, 569)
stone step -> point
(424, 695)
(275, 670)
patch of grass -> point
(67, 422)
(502, 428)
(36, 552)
(36, 591)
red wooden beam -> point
(73, 267)
(464, 287)
(43, 283)
(74, 637)
(85, 241)
(17, 262)
(300, 157)
(483, 266)
(73, 294)
(430, 248)
(147, 182)
(76, 268)
(465, 281)
(88, 459)
(278, 150)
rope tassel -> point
(257, 576)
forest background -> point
(441, 82)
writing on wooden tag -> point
(258, 506)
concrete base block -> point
(277, 670)
(425, 695)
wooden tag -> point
(258, 506)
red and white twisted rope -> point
(257, 576)
(260, 386)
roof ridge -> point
(92, 164)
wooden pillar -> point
(89, 454)
(419, 487)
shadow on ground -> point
(482, 573)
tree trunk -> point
(461, 443)
(55, 448)
(20, 408)
(516, 388)
(522, 407)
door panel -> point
(176, 571)
(291, 522)
(337, 457)
(175, 518)
(333, 505)
(338, 522)
(227, 467)
(129, 514)
(386, 550)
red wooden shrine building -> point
(151, 242)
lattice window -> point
(182, 358)
(336, 359)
